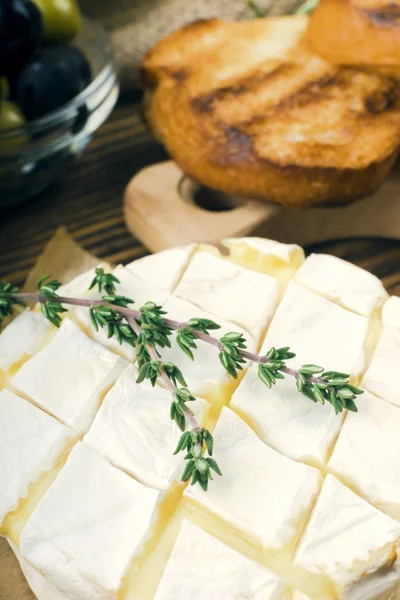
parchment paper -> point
(64, 259)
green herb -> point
(51, 306)
(7, 300)
(149, 331)
(258, 13)
(104, 281)
(307, 7)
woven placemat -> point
(136, 25)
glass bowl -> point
(39, 153)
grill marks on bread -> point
(243, 106)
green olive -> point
(62, 19)
(10, 118)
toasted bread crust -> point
(246, 108)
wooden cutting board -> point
(163, 208)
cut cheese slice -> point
(31, 443)
(287, 421)
(203, 568)
(132, 287)
(89, 526)
(264, 495)
(134, 431)
(382, 376)
(205, 376)
(266, 256)
(222, 288)
(353, 543)
(42, 589)
(342, 282)
(25, 336)
(164, 268)
(70, 376)
(391, 313)
(367, 453)
(319, 332)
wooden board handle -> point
(161, 212)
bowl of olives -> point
(58, 84)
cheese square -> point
(163, 269)
(352, 544)
(203, 568)
(382, 375)
(69, 377)
(222, 288)
(266, 256)
(131, 286)
(42, 589)
(318, 331)
(89, 526)
(133, 429)
(23, 337)
(31, 443)
(391, 313)
(286, 420)
(205, 376)
(342, 282)
(367, 453)
(261, 493)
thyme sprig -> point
(257, 12)
(198, 468)
(149, 330)
(51, 306)
(8, 300)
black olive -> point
(21, 30)
(54, 76)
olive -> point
(62, 19)
(10, 118)
(21, 29)
(54, 76)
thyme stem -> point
(132, 314)
(168, 383)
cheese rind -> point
(243, 496)
(133, 429)
(287, 253)
(203, 568)
(224, 289)
(205, 372)
(318, 331)
(88, 527)
(285, 420)
(164, 268)
(352, 542)
(342, 282)
(391, 313)
(382, 375)
(24, 336)
(31, 442)
(367, 453)
(69, 376)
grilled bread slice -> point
(247, 108)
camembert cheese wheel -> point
(308, 506)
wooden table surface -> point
(88, 202)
